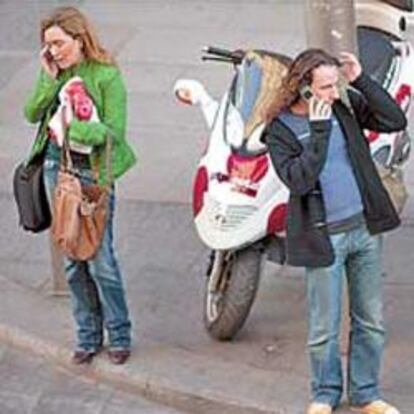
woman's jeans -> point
(358, 257)
(97, 292)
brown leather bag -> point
(79, 211)
(393, 181)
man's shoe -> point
(319, 408)
(375, 407)
(119, 356)
(82, 356)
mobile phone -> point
(306, 92)
(47, 54)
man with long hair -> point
(338, 209)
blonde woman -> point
(81, 90)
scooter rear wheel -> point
(231, 288)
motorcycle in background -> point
(388, 57)
(239, 203)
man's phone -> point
(306, 92)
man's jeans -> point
(358, 256)
(97, 292)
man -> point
(337, 210)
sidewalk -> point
(171, 375)
(264, 370)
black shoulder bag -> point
(30, 193)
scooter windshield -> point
(251, 94)
(246, 88)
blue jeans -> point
(96, 288)
(358, 257)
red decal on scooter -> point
(277, 219)
(372, 136)
(199, 188)
(247, 168)
(403, 95)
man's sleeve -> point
(299, 169)
(374, 108)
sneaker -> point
(375, 407)
(319, 408)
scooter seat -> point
(376, 52)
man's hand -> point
(351, 67)
(319, 110)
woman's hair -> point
(76, 25)
(300, 74)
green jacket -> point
(106, 87)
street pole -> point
(330, 25)
(59, 285)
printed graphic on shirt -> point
(75, 103)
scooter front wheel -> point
(231, 287)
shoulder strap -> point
(46, 114)
(66, 162)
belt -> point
(79, 160)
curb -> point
(129, 380)
(162, 372)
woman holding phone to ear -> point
(81, 91)
(337, 212)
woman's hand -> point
(319, 110)
(48, 64)
(351, 67)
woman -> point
(92, 108)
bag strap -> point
(42, 125)
(66, 163)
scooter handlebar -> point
(233, 56)
(211, 50)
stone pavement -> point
(265, 369)
(34, 386)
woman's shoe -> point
(81, 356)
(119, 356)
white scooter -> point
(239, 203)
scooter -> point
(239, 203)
